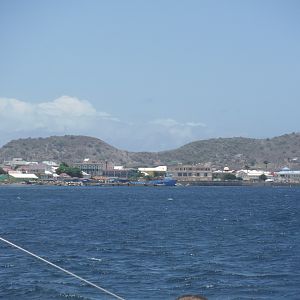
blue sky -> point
(149, 75)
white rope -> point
(60, 268)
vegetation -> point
(229, 176)
(2, 172)
(238, 152)
(66, 148)
(234, 152)
(135, 175)
(71, 171)
(263, 177)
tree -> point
(71, 171)
(62, 168)
(74, 172)
(229, 176)
(262, 177)
(148, 177)
(266, 164)
(135, 174)
(2, 171)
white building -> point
(253, 175)
(22, 176)
(153, 170)
(119, 168)
(16, 162)
(50, 163)
(286, 175)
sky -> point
(149, 75)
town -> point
(88, 172)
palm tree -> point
(266, 164)
(247, 168)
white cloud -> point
(183, 132)
(70, 115)
(66, 105)
(197, 124)
(165, 122)
(60, 115)
(161, 134)
(173, 123)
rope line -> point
(62, 269)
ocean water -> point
(151, 242)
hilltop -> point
(68, 148)
(234, 152)
(238, 152)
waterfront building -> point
(94, 168)
(116, 173)
(63, 176)
(253, 175)
(154, 171)
(219, 175)
(42, 170)
(36, 168)
(19, 176)
(191, 173)
(287, 175)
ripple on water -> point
(231, 243)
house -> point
(253, 175)
(19, 176)
(16, 162)
(42, 170)
(219, 175)
(191, 172)
(64, 176)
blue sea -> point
(151, 242)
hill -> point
(234, 152)
(238, 152)
(68, 148)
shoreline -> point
(179, 184)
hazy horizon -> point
(147, 76)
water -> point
(151, 243)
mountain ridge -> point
(234, 152)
